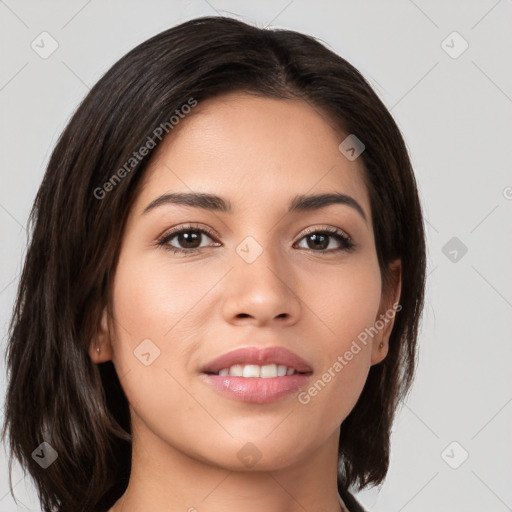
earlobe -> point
(379, 352)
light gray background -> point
(455, 114)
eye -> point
(188, 237)
(189, 240)
(319, 240)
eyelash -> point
(344, 240)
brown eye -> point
(185, 240)
(321, 241)
(188, 239)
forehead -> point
(254, 150)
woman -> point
(220, 301)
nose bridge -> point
(261, 283)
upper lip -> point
(258, 356)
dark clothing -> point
(350, 502)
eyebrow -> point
(212, 202)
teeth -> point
(253, 370)
(269, 370)
(237, 370)
(281, 370)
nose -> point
(262, 292)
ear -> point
(101, 341)
(385, 318)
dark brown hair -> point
(55, 391)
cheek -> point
(155, 328)
(145, 311)
(161, 311)
(346, 306)
(345, 300)
(155, 300)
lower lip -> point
(257, 389)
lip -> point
(260, 356)
(257, 389)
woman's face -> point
(249, 276)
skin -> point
(258, 153)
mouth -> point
(252, 371)
(260, 362)
(257, 375)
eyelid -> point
(188, 225)
(323, 228)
